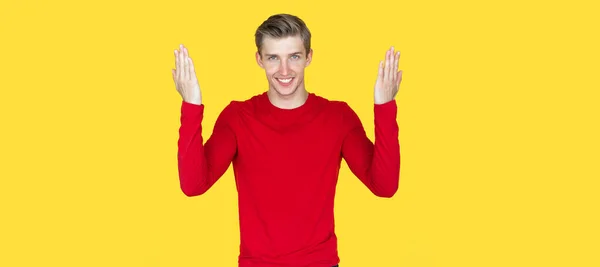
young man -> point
(286, 146)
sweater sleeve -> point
(376, 165)
(200, 166)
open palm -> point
(184, 76)
(388, 78)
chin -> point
(285, 91)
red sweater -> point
(286, 165)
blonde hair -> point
(281, 26)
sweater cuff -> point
(386, 111)
(191, 113)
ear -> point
(258, 60)
(309, 58)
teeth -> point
(286, 80)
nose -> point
(284, 68)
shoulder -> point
(236, 106)
(333, 105)
(230, 109)
(236, 109)
(338, 106)
(249, 105)
(229, 115)
(341, 112)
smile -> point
(285, 81)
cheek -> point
(299, 70)
(272, 68)
(270, 71)
(301, 64)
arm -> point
(200, 166)
(376, 165)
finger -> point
(391, 70)
(386, 69)
(186, 64)
(395, 68)
(175, 78)
(192, 72)
(181, 62)
(398, 79)
(177, 65)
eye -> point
(295, 57)
(271, 57)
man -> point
(286, 146)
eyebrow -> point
(268, 55)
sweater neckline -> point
(277, 110)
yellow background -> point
(498, 113)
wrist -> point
(195, 100)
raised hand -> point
(388, 77)
(184, 76)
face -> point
(284, 61)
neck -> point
(297, 99)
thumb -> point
(380, 71)
(399, 78)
